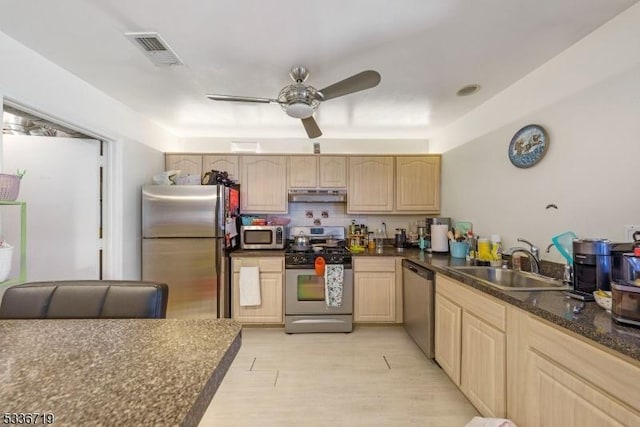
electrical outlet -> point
(628, 232)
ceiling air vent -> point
(156, 49)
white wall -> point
(34, 83)
(139, 163)
(37, 83)
(338, 217)
(591, 167)
(607, 52)
(305, 146)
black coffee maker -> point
(591, 267)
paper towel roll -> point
(439, 238)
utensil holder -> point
(458, 249)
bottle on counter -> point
(496, 250)
(484, 249)
(379, 241)
(371, 243)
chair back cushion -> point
(85, 299)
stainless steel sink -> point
(512, 280)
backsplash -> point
(334, 214)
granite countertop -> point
(386, 251)
(257, 253)
(591, 321)
(115, 371)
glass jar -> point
(379, 236)
(371, 244)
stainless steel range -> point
(310, 305)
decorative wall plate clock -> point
(528, 146)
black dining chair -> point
(85, 299)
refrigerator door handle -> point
(223, 267)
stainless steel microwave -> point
(262, 237)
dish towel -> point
(249, 286)
(333, 280)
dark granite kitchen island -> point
(114, 371)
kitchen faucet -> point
(568, 268)
(533, 253)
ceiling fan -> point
(300, 100)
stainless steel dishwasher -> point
(419, 306)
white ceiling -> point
(425, 51)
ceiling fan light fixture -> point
(298, 100)
(299, 110)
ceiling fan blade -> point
(242, 99)
(357, 82)
(311, 126)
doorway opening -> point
(64, 188)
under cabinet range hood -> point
(314, 196)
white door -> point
(62, 190)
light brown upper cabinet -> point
(333, 172)
(303, 172)
(264, 184)
(188, 164)
(221, 163)
(403, 184)
(418, 184)
(371, 184)
(317, 172)
(376, 186)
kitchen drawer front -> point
(266, 265)
(484, 307)
(611, 374)
(374, 264)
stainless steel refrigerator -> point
(187, 234)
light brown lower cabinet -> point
(511, 363)
(483, 366)
(562, 380)
(448, 330)
(470, 344)
(374, 289)
(271, 291)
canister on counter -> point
(496, 247)
(484, 249)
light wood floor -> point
(374, 376)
